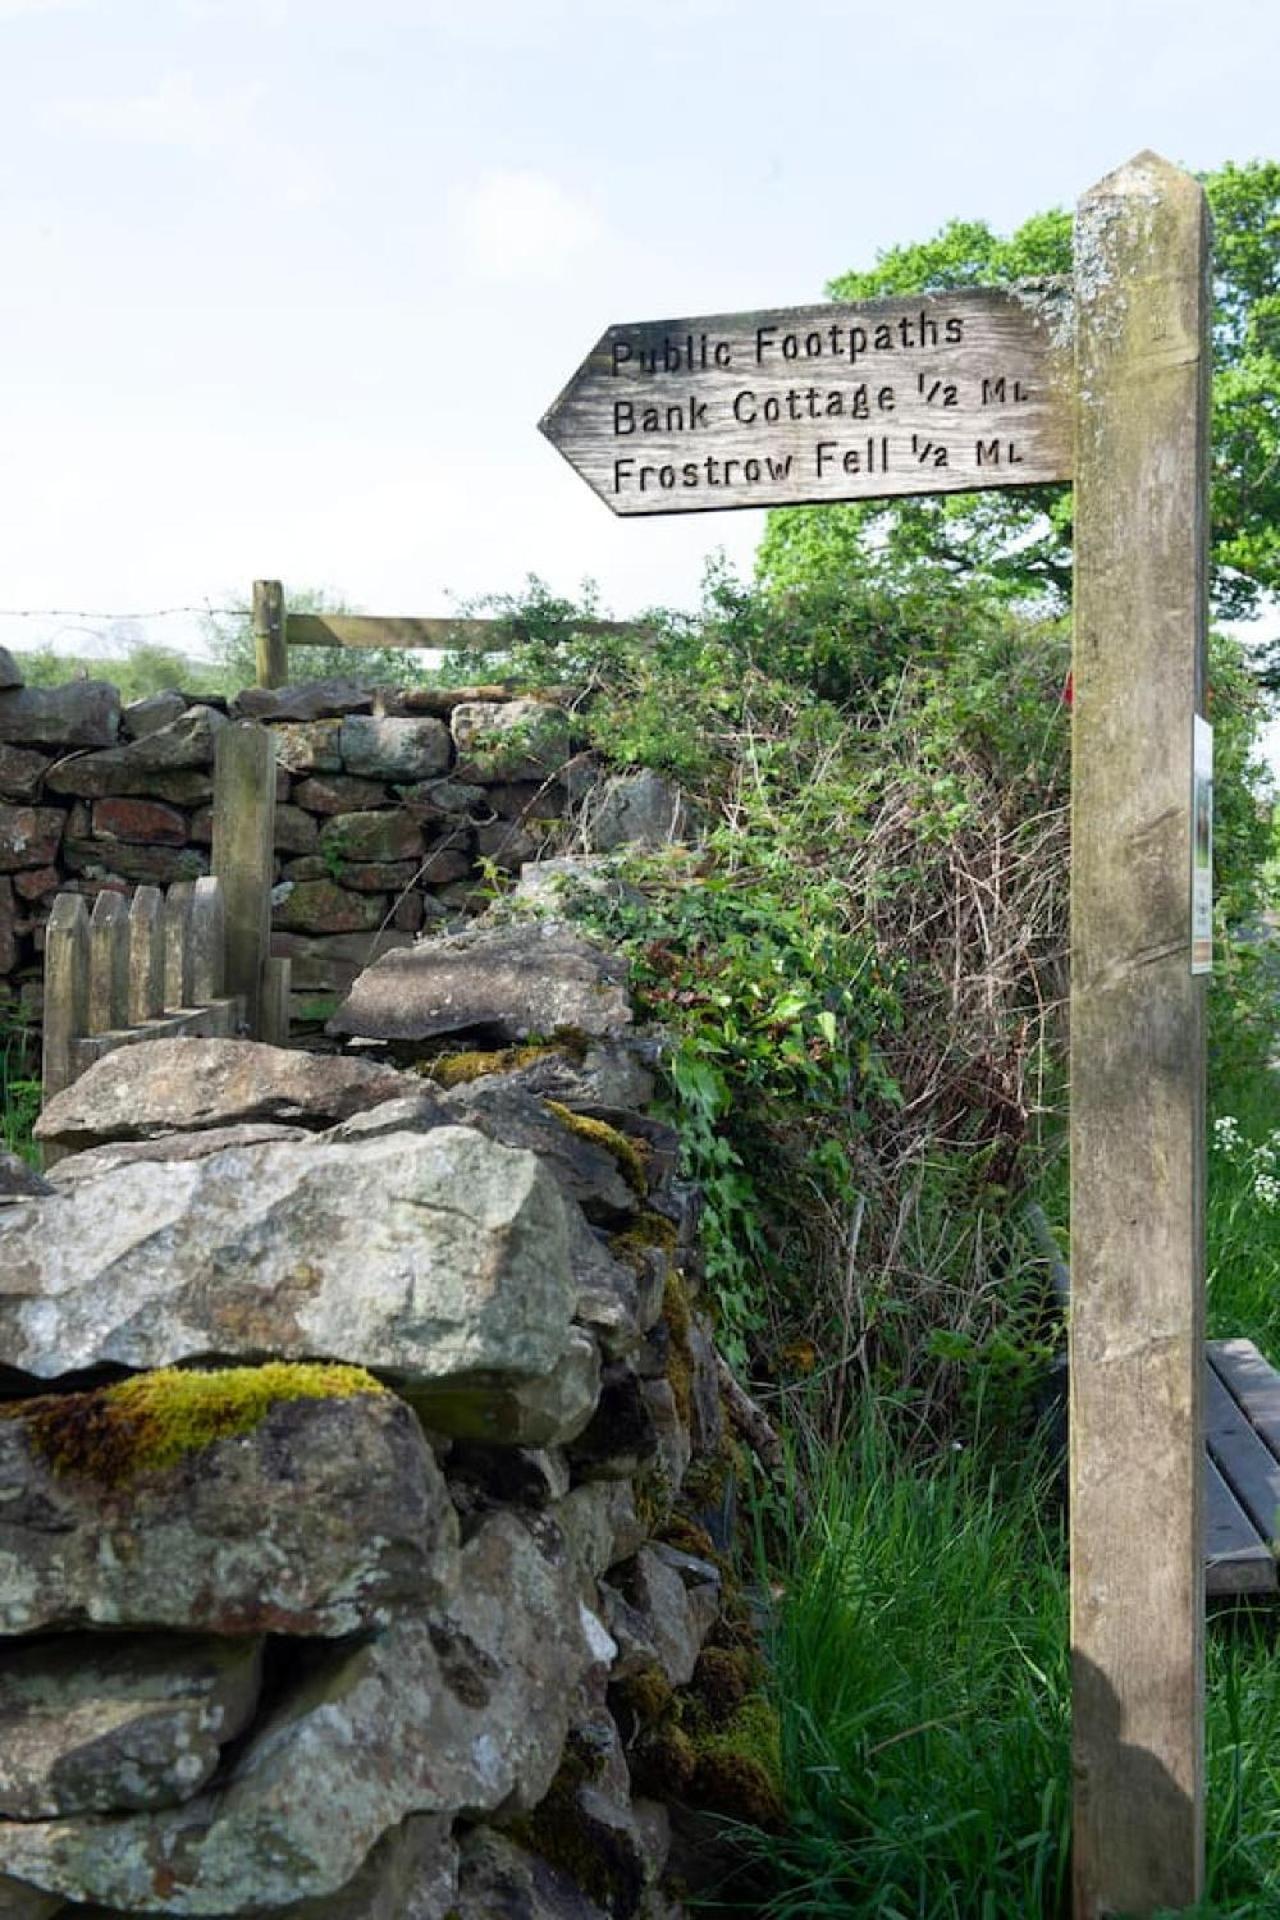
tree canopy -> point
(1017, 544)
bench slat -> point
(1249, 1468)
(1252, 1383)
(1235, 1559)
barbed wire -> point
(96, 613)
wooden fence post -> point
(146, 955)
(108, 964)
(178, 985)
(1137, 1044)
(244, 814)
(66, 989)
(269, 633)
(208, 942)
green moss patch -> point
(739, 1769)
(458, 1069)
(628, 1154)
(150, 1422)
(648, 1229)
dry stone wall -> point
(364, 1479)
(389, 805)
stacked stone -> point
(391, 805)
(345, 1596)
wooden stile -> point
(244, 812)
(146, 955)
(177, 944)
(207, 942)
(1137, 1044)
(275, 1001)
(66, 989)
(108, 964)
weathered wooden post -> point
(950, 393)
(146, 955)
(244, 815)
(179, 990)
(66, 989)
(269, 642)
(108, 964)
(1137, 1043)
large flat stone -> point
(84, 713)
(426, 1256)
(389, 835)
(162, 1086)
(150, 714)
(503, 981)
(320, 906)
(461, 1709)
(319, 1517)
(412, 1874)
(186, 743)
(406, 750)
(112, 1722)
(308, 700)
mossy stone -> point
(153, 1420)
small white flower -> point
(1266, 1189)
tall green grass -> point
(920, 1658)
(19, 1086)
(919, 1652)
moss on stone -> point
(153, 1420)
(738, 1770)
(664, 1763)
(606, 1871)
(722, 1679)
(628, 1153)
(649, 1229)
(681, 1531)
(647, 1693)
(678, 1321)
(654, 1498)
(449, 1070)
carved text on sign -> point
(941, 394)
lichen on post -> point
(1137, 1043)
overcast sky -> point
(287, 285)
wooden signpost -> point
(940, 394)
(1102, 380)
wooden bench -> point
(1242, 1445)
(1242, 1472)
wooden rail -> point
(275, 630)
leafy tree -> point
(1017, 544)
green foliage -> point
(231, 641)
(1017, 544)
(19, 1084)
(143, 668)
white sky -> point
(286, 286)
